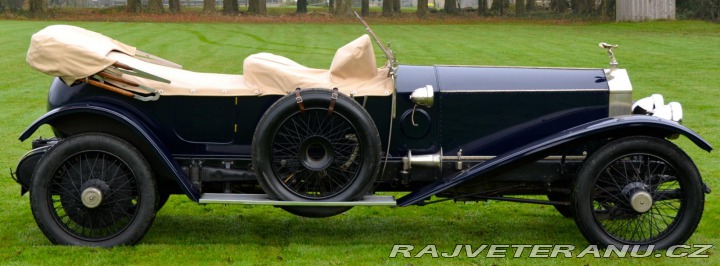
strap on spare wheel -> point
(333, 98)
(299, 100)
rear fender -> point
(635, 125)
(153, 148)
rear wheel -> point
(314, 154)
(638, 191)
(93, 190)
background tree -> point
(387, 8)
(702, 9)
(343, 8)
(500, 7)
(38, 7)
(558, 5)
(520, 7)
(482, 7)
(301, 7)
(422, 8)
(155, 6)
(396, 6)
(607, 8)
(174, 6)
(365, 8)
(531, 6)
(230, 7)
(451, 7)
(583, 7)
(134, 6)
(208, 6)
(257, 7)
(331, 6)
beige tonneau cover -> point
(73, 54)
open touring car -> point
(131, 129)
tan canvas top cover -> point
(74, 53)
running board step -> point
(263, 199)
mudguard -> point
(633, 125)
(133, 123)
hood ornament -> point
(611, 54)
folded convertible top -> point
(73, 54)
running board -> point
(263, 199)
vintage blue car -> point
(131, 129)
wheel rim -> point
(637, 198)
(316, 155)
(93, 173)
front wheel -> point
(93, 190)
(638, 191)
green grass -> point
(677, 59)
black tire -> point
(564, 210)
(316, 156)
(642, 168)
(87, 164)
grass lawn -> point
(678, 59)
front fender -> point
(634, 125)
(137, 127)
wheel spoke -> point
(617, 181)
(103, 171)
(342, 150)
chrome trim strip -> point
(538, 90)
(523, 67)
(485, 158)
(620, 97)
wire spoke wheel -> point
(621, 203)
(638, 191)
(93, 190)
(314, 154)
(93, 171)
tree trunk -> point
(396, 7)
(38, 8)
(520, 7)
(530, 6)
(609, 8)
(500, 6)
(482, 7)
(558, 6)
(451, 7)
(134, 6)
(257, 7)
(580, 6)
(422, 8)
(365, 8)
(387, 8)
(331, 6)
(174, 6)
(301, 7)
(230, 7)
(343, 8)
(208, 6)
(155, 6)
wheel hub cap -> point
(91, 197)
(316, 153)
(638, 196)
(641, 201)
